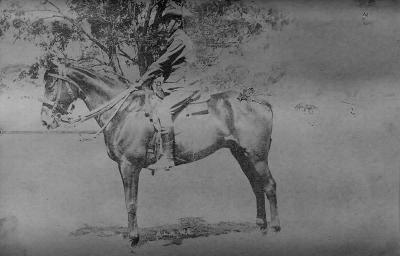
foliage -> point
(227, 25)
(121, 36)
(103, 30)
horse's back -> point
(254, 106)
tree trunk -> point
(144, 55)
(144, 58)
(113, 59)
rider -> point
(167, 74)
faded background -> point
(335, 152)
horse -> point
(242, 126)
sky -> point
(327, 48)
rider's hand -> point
(158, 81)
(137, 84)
(62, 70)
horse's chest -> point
(129, 138)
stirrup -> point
(159, 165)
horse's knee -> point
(131, 208)
(270, 188)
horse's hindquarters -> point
(248, 124)
(253, 127)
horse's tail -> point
(249, 95)
(262, 101)
(258, 107)
(259, 99)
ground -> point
(332, 80)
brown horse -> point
(242, 126)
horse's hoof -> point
(276, 229)
(264, 231)
(134, 240)
(262, 223)
(275, 226)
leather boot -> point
(167, 159)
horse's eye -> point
(49, 87)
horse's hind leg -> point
(269, 186)
(256, 181)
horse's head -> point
(59, 95)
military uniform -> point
(170, 69)
(172, 64)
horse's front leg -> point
(130, 178)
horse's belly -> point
(196, 137)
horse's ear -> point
(50, 70)
(46, 74)
(71, 108)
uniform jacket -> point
(172, 65)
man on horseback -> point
(167, 77)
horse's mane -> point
(107, 79)
(136, 100)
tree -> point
(107, 31)
(121, 36)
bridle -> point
(55, 107)
(58, 111)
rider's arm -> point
(165, 61)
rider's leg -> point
(167, 130)
(164, 114)
(167, 134)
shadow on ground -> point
(187, 228)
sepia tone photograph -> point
(199, 127)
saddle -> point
(195, 104)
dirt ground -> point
(335, 156)
(337, 191)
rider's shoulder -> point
(179, 34)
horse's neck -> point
(95, 99)
(96, 91)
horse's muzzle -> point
(48, 119)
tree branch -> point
(43, 10)
(126, 55)
(87, 59)
(52, 4)
(54, 16)
(80, 28)
(161, 4)
(119, 66)
(150, 6)
(94, 40)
